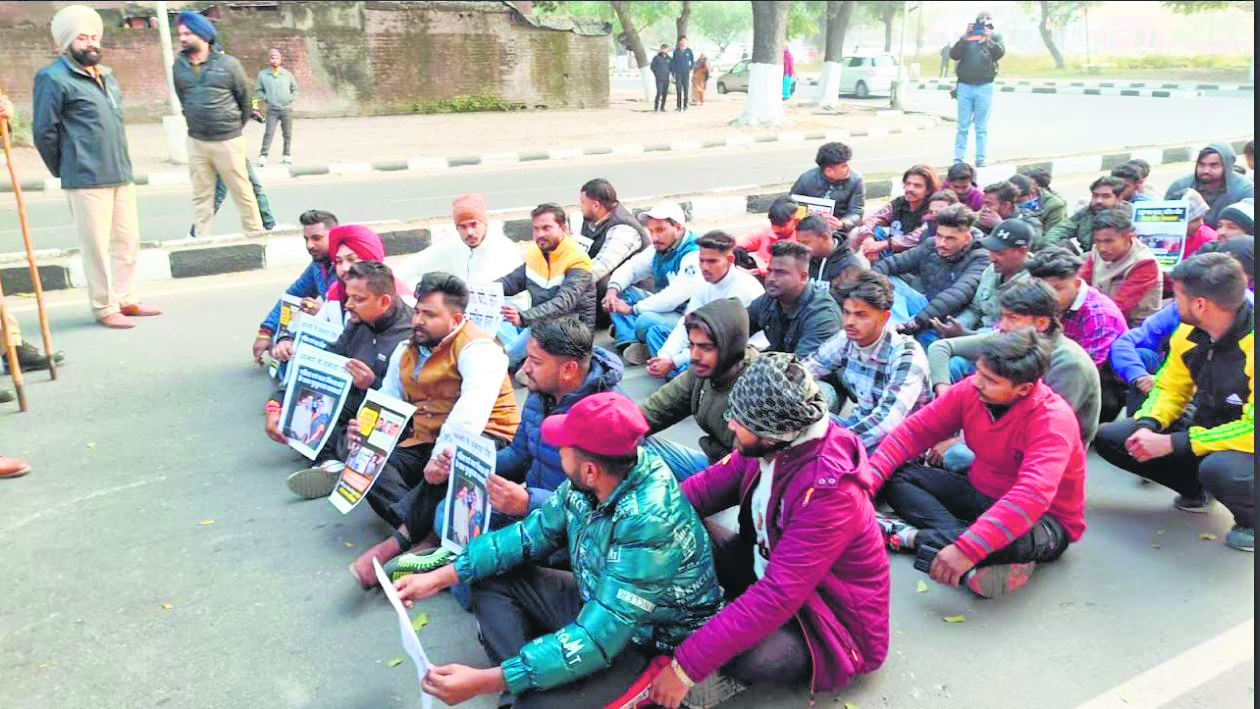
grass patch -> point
(20, 131)
(466, 104)
(1215, 67)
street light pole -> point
(173, 126)
(898, 93)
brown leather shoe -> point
(117, 321)
(13, 468)
(362, 570)
(140, 310)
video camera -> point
(981, 24)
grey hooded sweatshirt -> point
(1237, 187)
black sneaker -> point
(30, 358)
(1197, 504)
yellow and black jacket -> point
(1218, 377)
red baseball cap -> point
(604, 424)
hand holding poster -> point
(485, 306)
(313, 401)
(467, 513)
(1161, 225)
(320, 333)
(410, 641)
(381, 421)
(815, 206)
(290, 316)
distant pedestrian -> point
(945, 59)
(660, 70)
(214, 93)
(277, 87)
(977, 53)
(789, 74)
(680, 65)
(79, 132)
(699, 78)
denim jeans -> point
(514, 340)
(973, 106)
(960, 368)
(683, 462)
(907, 302)
(958, 458)
(651, 329)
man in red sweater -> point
(1022, 502)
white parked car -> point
(864, 74)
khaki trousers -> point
(109, 241)
(224, 159)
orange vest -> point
(436, 389)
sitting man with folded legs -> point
(642, 579)
(313, 282)
(1023, 500)
(805, 575)
(1210, 370)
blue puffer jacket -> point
(531, 461)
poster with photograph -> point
(410, 641)
(815, 206)
(290, 316)
(313, 401)
(382, 419)
(1161, 225)
(467, 513)
(320, 333)
(485, 306)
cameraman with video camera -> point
(977, 53)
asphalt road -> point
(1023, 126)
(154, 485)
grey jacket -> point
(215, 99)
(78, 126)
(278, 91)
(812, 320)
(1237, 187)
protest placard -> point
(410, 641)
(815, 206)
(313, 401)
(1161, 225)
(290, 316)
(467, 512)
(485, 306)
(382, 419)
(320, 333)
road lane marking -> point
(78, 500)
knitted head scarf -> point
(74, 20)
(365, 244)
(775, 398)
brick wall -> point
(350, 58)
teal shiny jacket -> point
(641, 560)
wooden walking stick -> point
(30, 251)
(10, 350)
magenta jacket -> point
(828, 567)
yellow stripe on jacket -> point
(548, 272)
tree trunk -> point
(683, 18)
(839, 12)
(636, 48)
(764, 105)
(888, 23)
(1047, 36)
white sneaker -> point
(262, 161)
(286, 160)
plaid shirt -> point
(1094, 322)
(889, 382)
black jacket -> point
(850, 194)
(78, 126)
(949, 285)
(660, 67)
(824, 270)
(682, 62)
(977, 61)
(812, 320)
(215, 99)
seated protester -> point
(1134, 183)
(556, 274)
(1144, 169)
(563, 367)
(795, 315)
(1122, 267)
(1023, 499)
(1046, 205)
(610, 234)
(1215, 180)
(718, 337)
(478, 256)
(310, 285)
(1008, 246)
(961, 179)
(936, 202)
(1072, 374)
(641, 320)
(1001, 201)
(1077, 231)
(642, 580)
(348, 244)
(805, 575)
(782, 227)
(883, 370)
(722, 280)
(946, 270)
(835, 179)
(1198, 232)
(1209, 374)
(828, 252)
(1235, 220)
(898, 225)
(379, 322)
